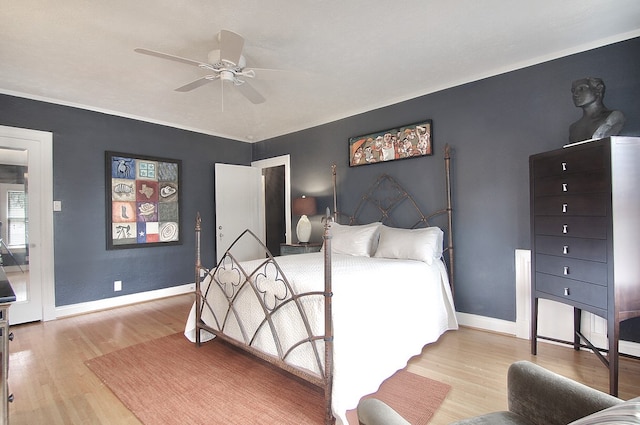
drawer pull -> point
(564, 208)
(565, 249)
(564, 166)
(565, 187)
(565, 228)
(566, 292)
(565, 270)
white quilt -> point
(384, 312)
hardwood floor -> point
(52, 385)
(475, 364)
(47, 375)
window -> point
(17, 218)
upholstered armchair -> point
(536, 396)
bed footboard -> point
(261, 287)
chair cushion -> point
(627, 412)
(495, 418)
(372, 411)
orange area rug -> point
(171, 381)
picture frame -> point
(142, 200)
(409, 141)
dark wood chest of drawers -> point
(585, 233)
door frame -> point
(276, 162)
(44, 159)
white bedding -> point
(384, 312)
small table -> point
(299, 248)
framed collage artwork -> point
(142, 201)
(409, 141)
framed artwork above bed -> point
(142, 200)
(409, 141)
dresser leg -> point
(534, 325)
(577, 319)
(614, 335)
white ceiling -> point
(344, 56)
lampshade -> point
(304, 206)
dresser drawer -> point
(580, 248)
(571, 161)
(594, 204)
(571, 226)
(587, 182)
(572, 268)
(572, 290)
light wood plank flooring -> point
(52, 385)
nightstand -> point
(299, 248)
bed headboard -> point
(386, 201)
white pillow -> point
(410, 244)
(354, 240)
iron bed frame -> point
(270, 305)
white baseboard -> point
(107, 303)
(486, 323)
(631, 348)
(510, 328)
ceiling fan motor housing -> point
(215, 60)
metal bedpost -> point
(328, 321)
(198, 267)
(335, 193)
(447, 167)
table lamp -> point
(303, 207)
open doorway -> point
(275, 230)
(14, 248)
(27, 222)
(276, 185)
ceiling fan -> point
(225, 62)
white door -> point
(238, 207)
(34, 286)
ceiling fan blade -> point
(197, 83)
(250, 93)
(231, 45)
(171, 57)
(270, 73)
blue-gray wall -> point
(492, 125)
(84, 269)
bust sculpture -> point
(597, 121)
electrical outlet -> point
(117, 285)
